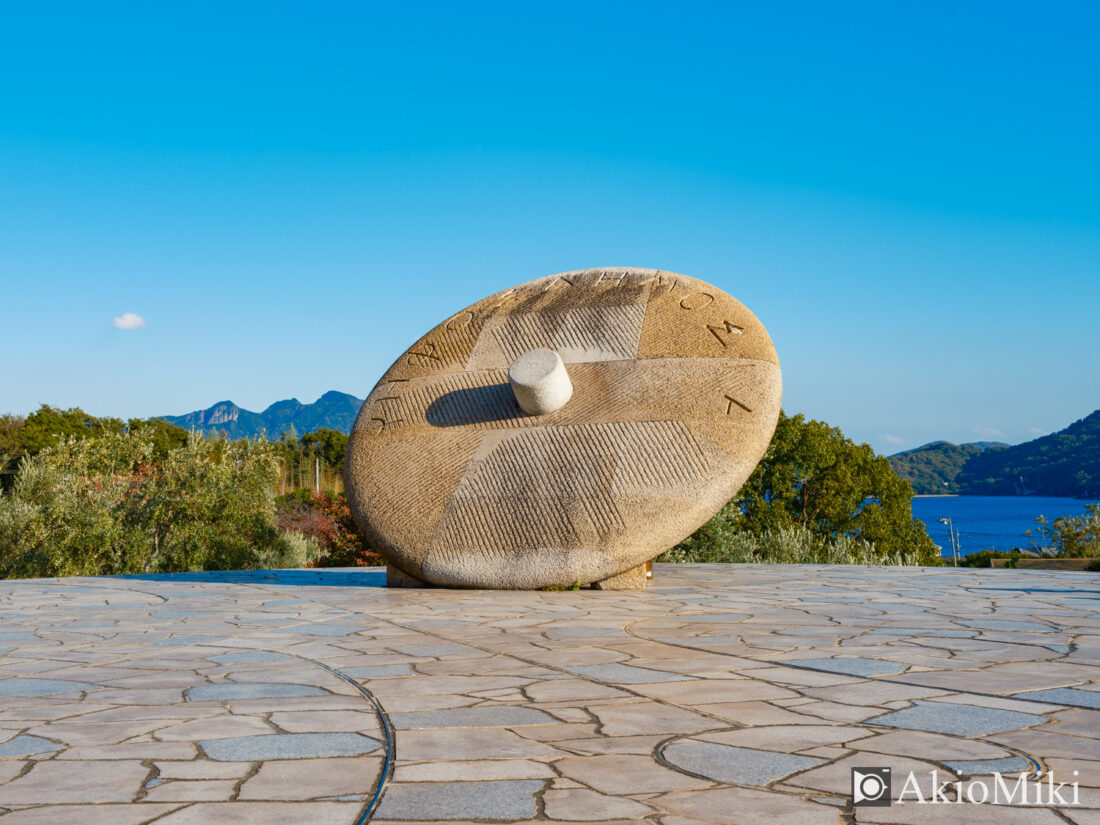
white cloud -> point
(128, 320)
(893, 439)
(1036, 431)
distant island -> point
(333, 410)
(1065, 463)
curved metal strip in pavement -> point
(383, 720)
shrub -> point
(1074, 537)
(985, 558)
(327, 519)
(784, 545)
(104, 506)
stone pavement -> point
(721, 694)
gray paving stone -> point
(507, 799)
(583, 632)
(625, 674)
(378, 671)
(41, 687)
(1002, 624)
(851, 667)
(184, 640)
(897, 608)
(26, 745)
(433, 649)
(739, 766)
(323, 629)
(957, 720)
(1064, 696)
(712, 618)
(250, 690)
(922, 631)
(499, 659)
(704, 641)
(974, 767)
(503, 716)
(245, 656)
(288, 746)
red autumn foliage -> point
(328, 519)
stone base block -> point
(633, 579)
(396, 577)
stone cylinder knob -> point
(540, 382)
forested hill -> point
(334, 410)
(934, 468)
(1065, 463)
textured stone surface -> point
(711, 697)
(737, 766)
(633, 579)
(491, 799)
(287, 746)
(852, 667)
(217, 693)
(676, 391)
(959, 720)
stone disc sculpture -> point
(565, 430)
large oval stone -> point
(676, 393)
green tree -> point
(813, 477)
(329, 445)
(164, 436)
(48, 426)
(1076, 537)
(11, 433)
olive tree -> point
(815, 479)
(106, 505)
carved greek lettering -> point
(461, 321)
(664, 282)
(561, 279)
(726, 328)
(697, 300)
(611, 279)
(503, 298)
(377, 426)
(425, 357)
(732, 401)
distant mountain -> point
(1065, 463)
(334, 410)
(934, 468)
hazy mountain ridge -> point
(334, 410)
(935, 467)
(1065, 463)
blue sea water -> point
(990, 522)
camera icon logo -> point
(871, 787)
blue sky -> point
(290, 194)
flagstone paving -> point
(720, 694)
